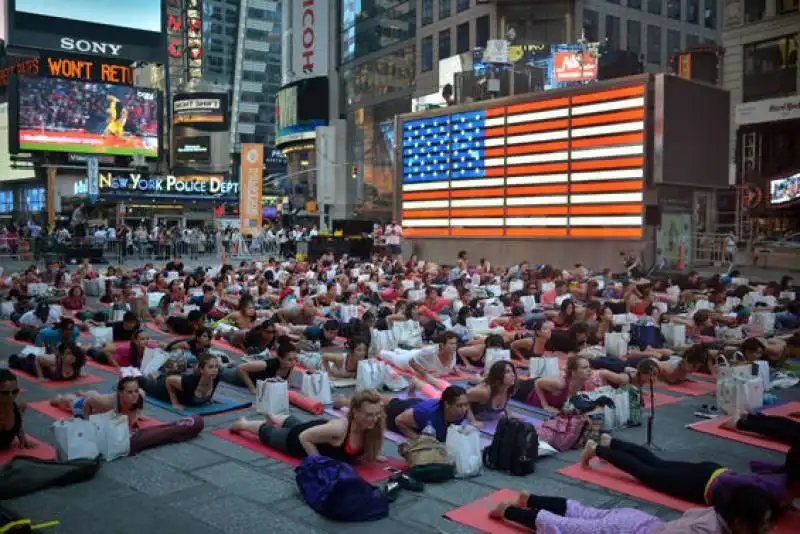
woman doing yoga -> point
(191, 389)
(128, 401)
(410, 417)
(346, 365)
(65, 364)
(696, 482)
(11, 412)
(247, 374)
(359, 436)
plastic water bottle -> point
(429, 431)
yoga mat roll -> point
(304, 403)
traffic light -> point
(354, 172)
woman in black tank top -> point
(11, 411)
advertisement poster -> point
(252, 176)
(673, 234)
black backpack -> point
(514, 448)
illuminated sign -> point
(176, 48)
(569, 166)
(196, 185)
(574, 66)
(203, 111)
(194, 38)
(784, 190)
(95, 70)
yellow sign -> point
(250, 195)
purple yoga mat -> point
(490, 426)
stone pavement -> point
(212, 486)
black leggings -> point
(527, 516)
(682, 480)
(780, 429)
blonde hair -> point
(373, 438)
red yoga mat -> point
(155, 328)
(100, 366)
(304, 403)
(42, 451)
(84, 380)
(476, 514)
(224, 345)
(660, 398)
(9, 324)
(45, 408)
(607, 476)
(17, 342)
(713, 428)
(691, 387)
(370, 473)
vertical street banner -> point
(252, 176)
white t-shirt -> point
(428, 358)
(30, 319)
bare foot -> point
(605, 440)
(499, 511)
(238, 425)
(412, 387)
(589, 452)
(522, 499)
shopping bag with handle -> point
(101, 335)
(272, 396)
(543, 366)
(464, 449)
(494, 355)
(76, 439)
(369, 374)
(317, 386)
(113, 435)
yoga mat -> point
(476, 514)
(713, 427)
(9, 324)
(17, 342)
(691, 387)
(84, 380)
(607, 476)
(248, 440)
(660, 398)
(305, 403)
(224, 345)
(155, 328)
(490, 426)
(100, 366)
(219, 405)
(45, 408)
(529, 408)
(343, 382)
(42, 451)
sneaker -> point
(392, 491)
(783, 380)
(407, 482)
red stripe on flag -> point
(530, 127)
(539, 105)
(611, 94)
(617, 163)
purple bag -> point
(565, 432)
(177, 432)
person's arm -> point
(407, 425)
(542, 386)
(244, 370)
(21, 436)
(174, 385)
(334, 366)
(521, 347)
(327, 434)
(471, 354)
(41, 362)
(614, 379)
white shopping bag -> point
(37, 290)
(408, 284)
(624, 318)
(101, 335)
(731, 302)
(407, 333)
(736, 367)
(616, 343)
(618, 416)
(382, 340)
(674, 293)
(76, 439)
(736, 282)
(494, 355)
(674, 334)
(370, 374)
(490, 311)
(495, 290)
(172, 275)
(763, 373)
(737, 395)
(515, 285)
(154, 299)
(348, 312)
(763, 320)
(317, 386)
(450, 293)
(272, 396)
(54, 315)
(152, 361)
(791, 296)
(729, 335)
(416, 295)
(7, 308)
(528, 303)
(478, 324)
(113, 435)
(117, 315)
(544, 366)
(28, 350)
(463, 446)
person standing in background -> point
(393, 234)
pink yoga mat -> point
(476, 514)
(84, 380)
(370, 473)
(224, 345)
(45, 408)
(713, 428)
(691, 387)
(42, 451)
(155, 328)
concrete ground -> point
(209, 485)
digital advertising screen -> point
(569, 166)
(121, 30)
(193, 150)
(300, 108)
(58, 115)
(784, 190)
(202, 111)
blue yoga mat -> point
(217, 406)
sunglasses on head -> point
(10, 393)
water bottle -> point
(429, 431)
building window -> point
(444, 44)
(754, 10)
(427, 54)
(444, 8)
(691, 41)
(693, 11)
(35, 200)
(787, 6)
(674, 9)
(654, 7)
(462, 5)
(635, 4)
(673, 42)
(710, 14)
(427, 12)
(653, 44)
(770, 56)
(482, 31)
(613, 33)
(591, 25)
(6, 201)
(462, 38)
(634, 37)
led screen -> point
(90, 118)
(567, 166)
(140, 15)
(784, 190)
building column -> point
(51, 196)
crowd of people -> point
(460, 338)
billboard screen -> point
(569, 166)
(783, 190)
(300, 108)
(190, 150)
(60, 115)
(202, 111)
(120, 30)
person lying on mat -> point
(75, 299)
(551, 393)
(246, 316)
(207, 301)
(696, 482)
(431, 364)
(357, 437)
(324, 335)
(65, 331)
(179, 324)
(548, 340)
(346, 365)
(301, 316)
(31, 322)
(247, 374)
(410, 417)
(127, 400)
(783, 429)
(65, 364)
(748, 510)
(123, 354)
(195, 388)
(262, 337)
(12, 411)
(197, 345)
